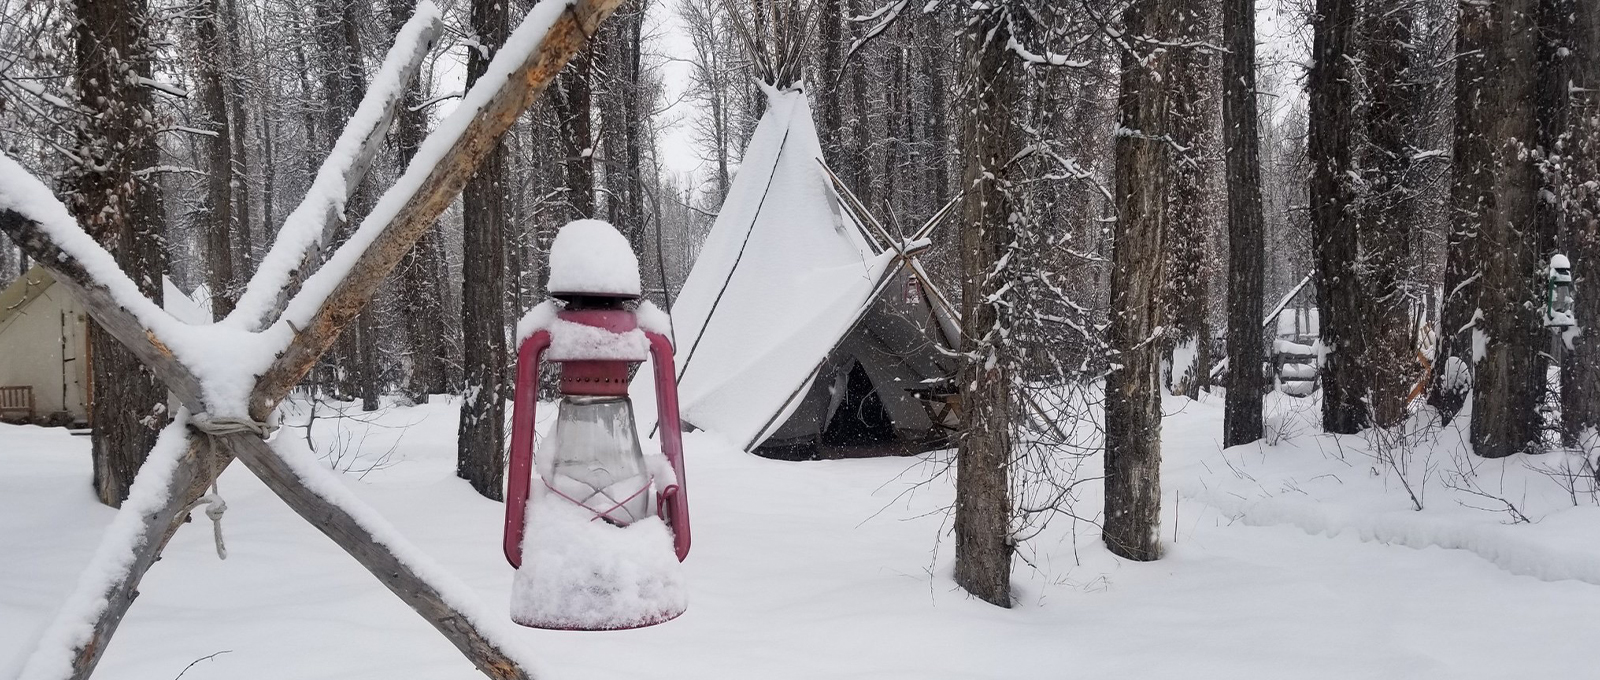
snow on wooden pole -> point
(104, 595)
(311, 223)
(316, 494)
(441, 168)
(552, 33)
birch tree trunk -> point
(1344, 410)
(480, 452)
(1241, 418)
(989, 139)
(121, 208)
(1143, 157)
(1509, 381)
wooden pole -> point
(565, 37)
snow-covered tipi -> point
(804, 330)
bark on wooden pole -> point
(564, 38)
(430, 199)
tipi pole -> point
(567, 33)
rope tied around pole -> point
(220, 426)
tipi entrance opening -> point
(860, 417)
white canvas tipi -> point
(800, 334)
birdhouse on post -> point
(595, 528)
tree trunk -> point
(122, 210)
(1453, 363)
(830, 21)
(632, 31)
(1508, 384)
(1188, 281)
(1580, 393)
(219, 160)
(572, 97)
(989, 138)
(1344, 410)
(480, 452)
(1553, 74)
(1386, 228)
(349, 74)
(857, 169)
(1144, 158)
(269, 175)
(238, 126)
(422, 300)
(1241, 417)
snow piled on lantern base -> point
(581, 573)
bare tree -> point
(1186, 334)
(422, 302)
(1332, 92)
(1241, 423)
(989, 139)
(218, 227)
(1144, 160)
(480, 452)
(1469, 193)
(1507, 384)
(1581, 392)
(1386, 222)
(711, 88)
(572, 105)
(113, 191)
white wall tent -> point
(44, 345)
(44, 349)
(798, 333)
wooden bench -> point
(15, 401)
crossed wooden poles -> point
(372, 543)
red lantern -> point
(594, 477)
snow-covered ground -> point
(1302, 559)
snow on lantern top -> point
(590, 257)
